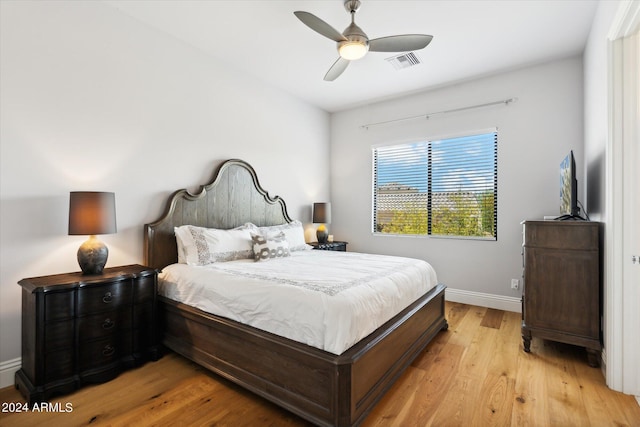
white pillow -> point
(202, 246)
(266, 248)
(293, 232)
(183, 239)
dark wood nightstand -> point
(330, 246)
(79, 329)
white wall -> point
(91, 99)
(596, 125)
(534, 134)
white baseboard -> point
(8, 371)
(498, 302)
(603, 362)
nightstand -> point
(330, 246)
(79, 329)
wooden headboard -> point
(233, 198)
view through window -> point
(445, 187)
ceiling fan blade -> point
(319, 26)
(402, 43)
(336, 69)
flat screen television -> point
(569, 208)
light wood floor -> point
(474, 374)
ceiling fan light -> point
(352, 50)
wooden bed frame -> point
(319, 386)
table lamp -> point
(322, 216)
(92, 213)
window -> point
(445, 187)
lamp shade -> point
(322, 213)
(92, 213)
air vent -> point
(405, 60)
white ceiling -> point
(471, 38)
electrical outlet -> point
(515, 283)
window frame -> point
(429, 141)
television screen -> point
(565, 186)
(568, 188)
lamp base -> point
(92, 256)
(322, 234)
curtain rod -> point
(455, 110)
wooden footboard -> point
(319, 386)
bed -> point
(321, 386)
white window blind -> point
(445, 187)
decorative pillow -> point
(202, 246)
(266, 248)
(293, 232)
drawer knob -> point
(108, 324)
(108, 350)
(107, 298)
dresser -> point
(79, 329)
(561, 298)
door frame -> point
(622, 320)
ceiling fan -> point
(353, 43)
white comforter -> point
(329, 300)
